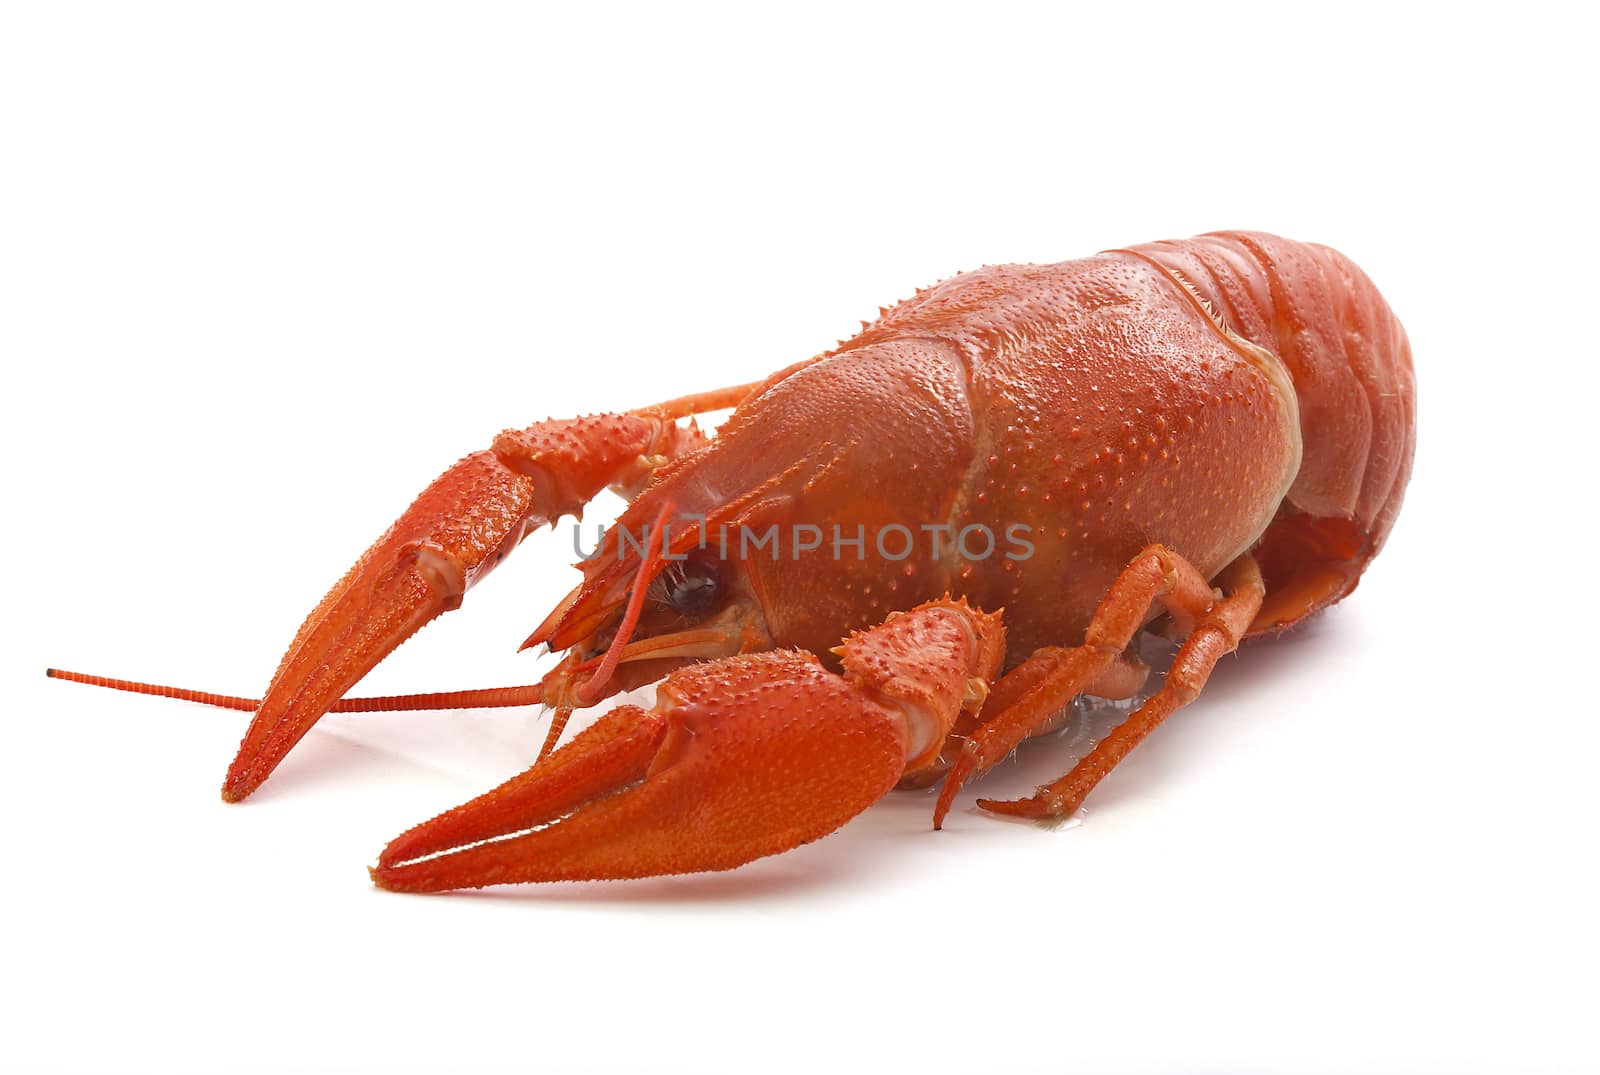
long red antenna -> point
(485, 698)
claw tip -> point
(237, 787)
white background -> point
(264, 272)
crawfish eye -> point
(693, 587)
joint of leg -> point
(1216, 623)
(1055, 803)
(1182, 690)
(444, 574)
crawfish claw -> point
(459, 528)
(740, 758)
(455, 533)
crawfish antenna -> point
(590, 691)
(484, 698)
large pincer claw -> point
(739, 758)
(461, 526)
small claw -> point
(741, 758)
(455, 532)
(1041, 807)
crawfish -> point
(1209, 437)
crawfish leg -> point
(1124, 678)
(1034, 693)
(1217, 634)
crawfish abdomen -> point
(1232, 392)
(1350, 361)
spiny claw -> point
(462, 525)
(740, 758)
(457, 530)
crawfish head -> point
(796, 525)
